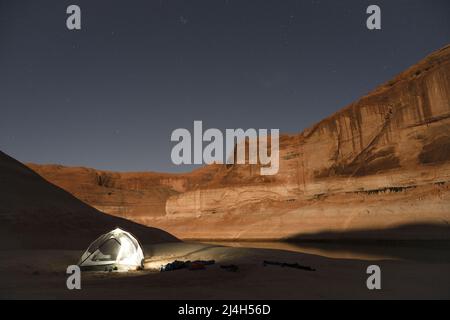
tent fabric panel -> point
(117, 247)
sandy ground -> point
(41, 274)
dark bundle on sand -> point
(191, 265)
(230, 267)
(290, 265)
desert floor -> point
(340, 273)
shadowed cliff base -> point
(405, 234)
(427, 251)
(408, 251)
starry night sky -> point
(110, 95)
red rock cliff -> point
(379, 164)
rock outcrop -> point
(380, 164)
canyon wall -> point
(379, 168)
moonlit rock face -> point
(382, 162)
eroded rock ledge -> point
(380, 163)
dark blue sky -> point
(110, 95)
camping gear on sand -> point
(230, 267)
(176, 265)
(190, 265)
(193, 266)
(290, 265)
(116, 250)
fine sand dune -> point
(36, 214)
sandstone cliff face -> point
(380, 163)
(126, 195)
(129, 195)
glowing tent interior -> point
(116, 250)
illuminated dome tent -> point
(116, 250)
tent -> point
(115, 250)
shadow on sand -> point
(418, 242)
